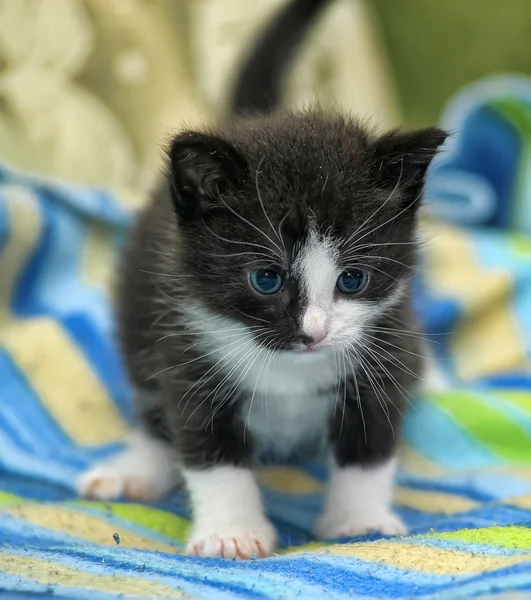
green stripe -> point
(488, 425)
(519, 117)
(163, 523)
(520, 245)
(520, 399)
(7, 498)
(518, 538)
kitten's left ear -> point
(202, 165)
(402, 158)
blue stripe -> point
(495, 253)
(104, 357)
(28, 416)
(22, 299)
(34, 489)
(4, 222)
(16, 587)
(429, 430)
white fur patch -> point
(229, 519)
(146, 470)
(333, 321)
(318, 270)
(358, 501)
(285, 400)
(290, 394)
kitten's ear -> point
(402, 158)
(202, 166)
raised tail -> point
(258, 88)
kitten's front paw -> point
(144, 471)
(384, 521)
(236, 542)
(105, 483)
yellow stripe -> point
(25, 225)
(433, 502)
(417, 464)
(519, 471)
(52, 573)
(454, 271)
(418, 557)
(289, 480)
(64, 381)
(523, 501)
(85, 526)
(98, 259)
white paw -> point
(106, 483)
(237, 542)
(384, 521)
(146, 470)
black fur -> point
(258, 88)
(198, 240)
(188, 246)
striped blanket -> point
(464, 485)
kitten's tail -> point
(259, 85)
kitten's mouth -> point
(309, 350)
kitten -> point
(264, 307)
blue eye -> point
(266, 281)
(352, 282)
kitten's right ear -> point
(202, 166)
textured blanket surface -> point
(464, 485)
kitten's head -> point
(302, 229)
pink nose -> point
(314, 338)
(314, 324)
(317, 336)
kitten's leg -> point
(146, 470)
(358, 502)
(229, 519)
(360, 491)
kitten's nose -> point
(314, 325)
(310, 340)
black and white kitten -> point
(264, 307)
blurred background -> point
(91, 90)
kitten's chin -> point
(308, 355)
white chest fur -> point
(288, 398)
(292, 402)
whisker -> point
(378, 394)
(397, 347)
(213, 391)
(248, 419)
(398, 214)
(379, 207)
(192, 360)
(280, 228)
(262, 203)
(358, 397)
(344, 407)
(373, 268)
(225, 360)
(173, 276)
(400, 388)
(254, 355)
(394, 360)
(250, 253)
(240, 242)
(238, 331)
(236, 214)
(253, 317)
